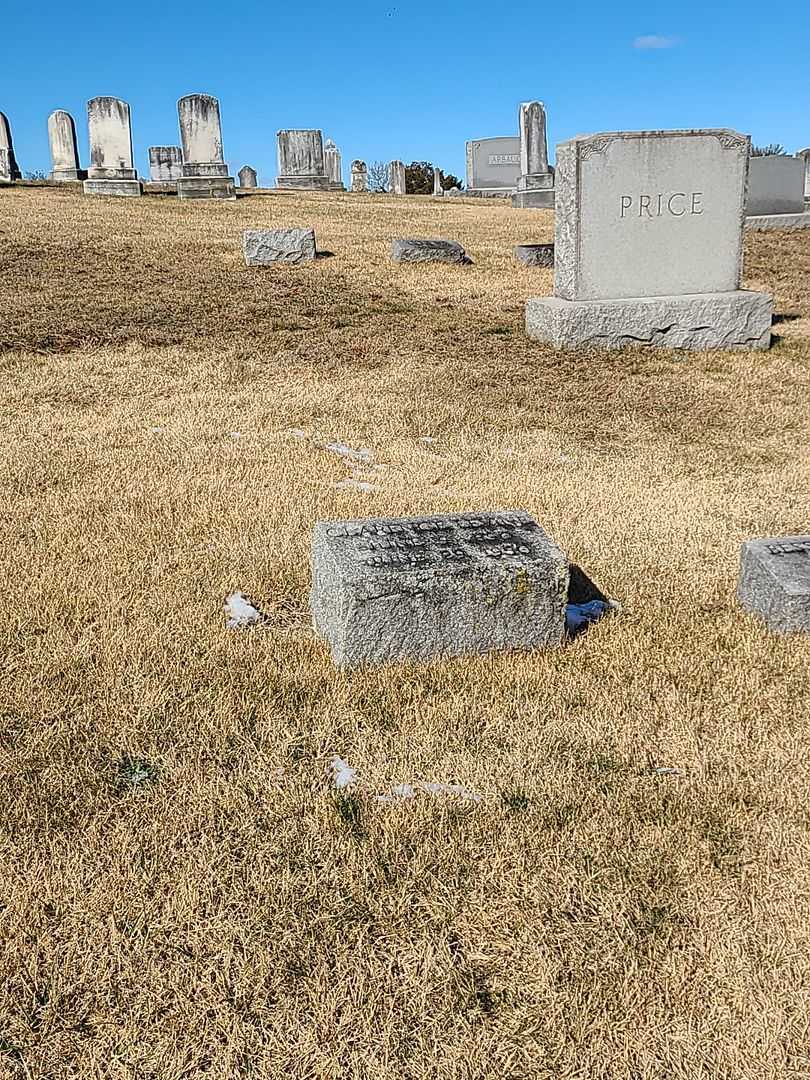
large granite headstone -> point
(535, 186)
(774, 582)
(359, 176)
(493, 165)
(648, 244)
(301, 163)
(333, 166)
(64, 149)
(422, 588)
(205, 172)
(775, 185)
(396, 178)
(165, 164)
(9, 169)
(111, 171)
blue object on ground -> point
(578, 617)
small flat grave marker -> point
(419, 251)
(394, 589)
(264, 247)
(775, 582)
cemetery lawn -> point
(183, 892)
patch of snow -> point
(364, 456)
(297, 433)
(156, 430)
(666, 770)
(343, 775)
(240, 613)
(356, 485)
(235, 434)
(428, 440)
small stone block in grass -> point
(265, 247)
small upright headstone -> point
(648, 244)
(165, 164)
(423, 588)
(205, 173)
(535, 186)
(333, 166)
(301, 162)
(396, 178)
(805, 157)
(774, 582)
(437, 182)
(775, 185)
(265, 247)
(422, 251)
(111, 170)
(359, 176)
(247, 177)
(9, 169)
(64, 150)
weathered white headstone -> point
(648, 244)
(9, 169)
(493, 165)
(399, 589)
(247, 177)
(111, 170)
(333, 166)
(165, 164)
(205, 172)
(804, 155)
(437, 182)
(775, 185)
(535, 186)
(265, 247)
(774, 582)
(64, 150)
(301, 161)
(359, 176)
(396, 178)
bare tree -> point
(378, 176)
(771, 150)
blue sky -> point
(406, 80)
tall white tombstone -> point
(165, 164)
(64, 150)
(301, 163)
(648, 244)
(805, 156)
(9, 169)
(396, 178)
(205, 173)
(359, 176)
(333, 166)
(535, 186)
(111, 169)
(437, 182)
(247, 177)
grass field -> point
(183, 892)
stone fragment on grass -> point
(774, 582)
(421, 251)
(265, 247)
(535, 254)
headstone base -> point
(206, 187)
(535, 254)
(534, 199)
(205, 168)
(304, 183)
(788, 222)
(485, 193)
(729, 320)
(63, 176)
(128, 188)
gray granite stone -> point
(396, 178)
(535, 254)
(110, 131)
(9, 169)
(165, 164)
(786, 222)
(775, 185)
(419, 589)
(535, 198)
(774, 582)
(535, 185)
(264, 247)
(119, 188)
(493, 164)
(301, 163)
(359, 176)
(333, 165)
(422, 251)
(206, 187)
(247, 177)
(804, 156)
(64, 149)
(729, 320)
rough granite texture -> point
(205, 187)
(264, 247)
(732, 320)
(786, 222)
(124, 188)
(535, 254)
(774, 582)
(421, 251)
(398, 589)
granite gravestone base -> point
(535, 254)
(399, 589)
(774, 582)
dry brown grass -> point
(590, 917)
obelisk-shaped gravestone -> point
(111, 169)
(535, 186)
(205, 173)
(359, 176)
(64, 151)
(301, 162)
(396, 178)
(437, 182)
(333, 166)
(9, 170)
